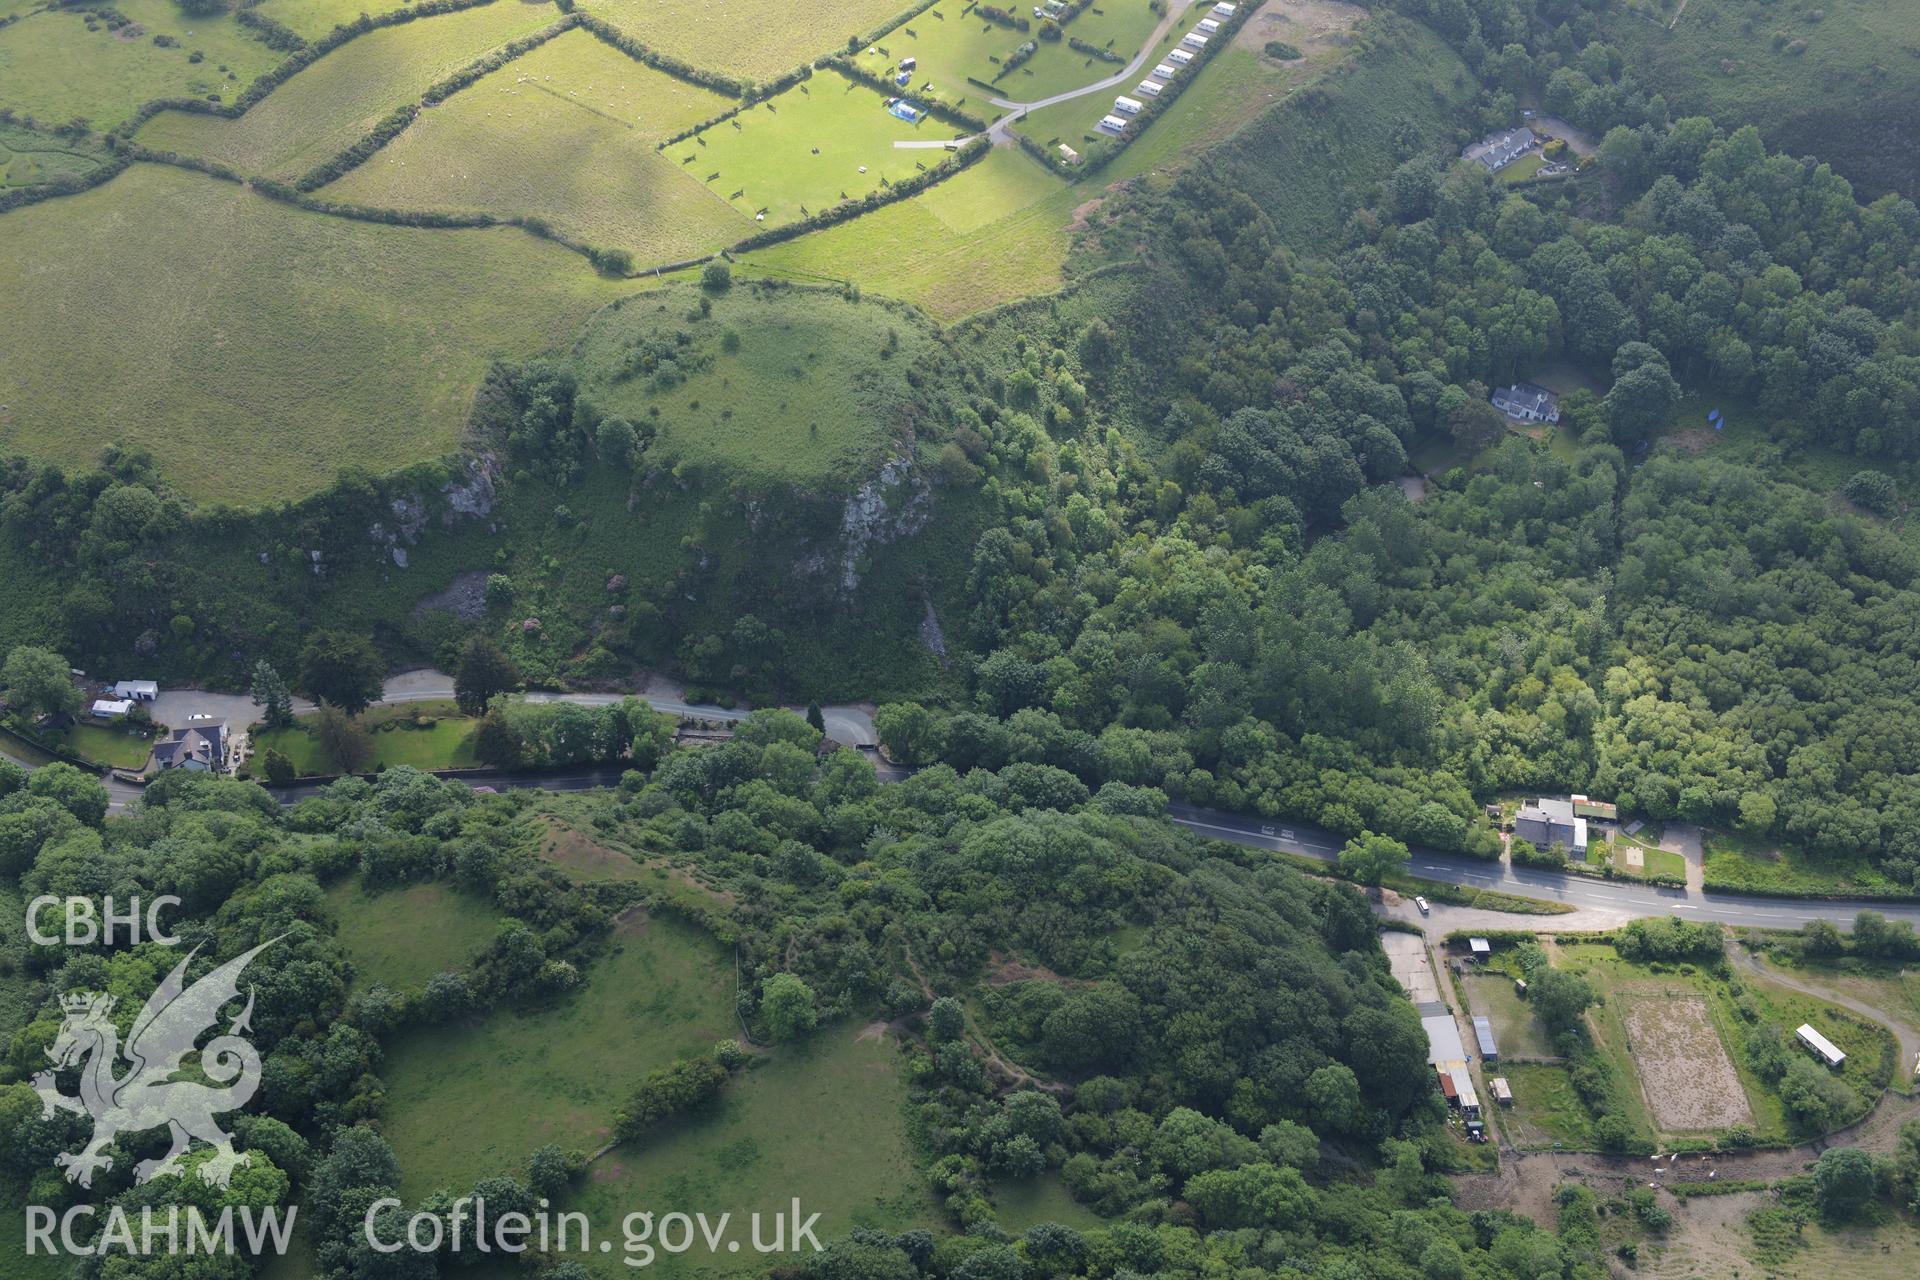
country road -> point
(1597, 904)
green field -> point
(399, 938)
(804, 150)
(315, 18)
(665, 992)
(735, 38)
(808, 392)
(53, 68)
(823, 1120)
(445, 744)
(330, 105)
(256, 348)
(30, 158)
(1546, 1109)
(566, 134)
(1515, 1028)
(1837, 77)
(1027, 1202)
(953, 48)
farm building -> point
(1823, 1048)
(1479, 948)
(110, 708)
(1525, 402)
(1194, 40)
(1443, 1033)
(137, 690)
(1208, 25)
(1502, 1091)
(1483, 1032)
(1127, 106)
(1113, 124)
(1447, 1088)
(1545, 823)
(1498, 150)
(1151, 88)
(1463, 1086)
(1166, 71)
(1180, 57)
(1585, 808)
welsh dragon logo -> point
(147, 1096)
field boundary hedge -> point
(396, 121)
(939, 110)
(847, 210)
(666, 63)
(111, 165)
(798, 76)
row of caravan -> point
(1115, 122)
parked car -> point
(1422, 904)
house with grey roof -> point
(1498, 150)
(201, 748)
(1549, 822)
(1527, 402)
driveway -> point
(999, 131)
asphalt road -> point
(1588, 895)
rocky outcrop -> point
(894, 504)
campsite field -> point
(823, 1120)
(260, 346)
(328, 106)
(808, 384)
(820, 142)
(958, 52)
(664, 992)
(742, 38)
(52, 67)
(400, 937)
(567, 134)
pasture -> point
(255, 347)
(741, 38)
(566, 134)
(400, 937)
(824, 1120)
(823, 141)
(312, 19)
(953, 48)
(54, 68)
(336, 101)
(30, 158)
(664, 992)
(809, 384)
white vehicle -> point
(1266, 831)
(1208, 25)
(1180, 57)
(1166, 71)
(1193, 40)
(1113, 124)
(1127, 106)
(1151, 88)
(1422, 904)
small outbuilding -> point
(1483, 1032)
(136, 690)
(1480, 948)
(111, 708)
(1824, 1049)
(1502, 1092)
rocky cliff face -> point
(895, 503)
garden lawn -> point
(822, 1120)
(448, 743)
(742, 38)
(53, 68)
(802, 151)
(665, 992)
(567, 134)
(256, 348)
(328, 106)
(808, 391)
(117, 748)
(399, 938)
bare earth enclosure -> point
(1689, 1080)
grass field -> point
(253, 347)
(566, 134)
(808, 391)
(328, 106)
(1027, 1202)
(666, 992)
(952, 47)
(31, 158)
(1515, 1028)
(823, 1120)
(400, 937)
(1546, 1108)
(314, 18)
(804, 150)
(741, 38)
(1836, 77)
(53, 68)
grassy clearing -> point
(1733, 862)
(13, 1229)
(52, 67)
(806, 389)
(253, 347)
(588, 858)
(32, 158)
(565, 134)
(1028, 1202)
(119, 748)
(1515, 1027)
(665, 992)
(821, 142)
(336, 101)
(1833, 78)
(399, 938)
(398, 739)
(1546, 1108)
(823, 1120)
(742, 39)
